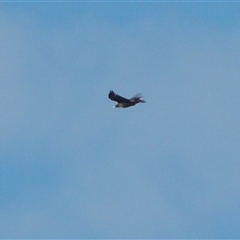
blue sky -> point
(74, 167)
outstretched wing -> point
(115, 97)
(137, 98)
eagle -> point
(124, 102)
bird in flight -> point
(124, 102)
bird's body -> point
(124, 102)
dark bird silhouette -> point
(124, 102)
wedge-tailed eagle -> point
(124, 102)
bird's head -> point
(116, 106)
